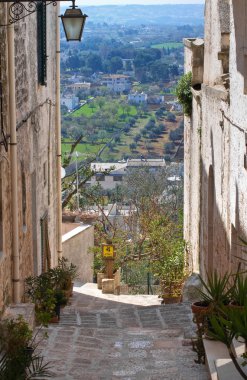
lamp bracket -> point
(20, 9)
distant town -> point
(118, 87)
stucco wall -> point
(76, 244)
(36, 150)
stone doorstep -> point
(24, 309)
(218, 362)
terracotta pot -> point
(234, 305)
(200, 310)
(54, 319)
(170, 299)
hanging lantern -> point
(73, 23)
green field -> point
(90, 109)
(122, 149)
(85, 110)
(168, 45)
(86, 148)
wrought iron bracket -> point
(20, 9)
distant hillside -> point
(133, 15)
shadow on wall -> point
(220, 247)
(240, 19)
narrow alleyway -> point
(107, 337)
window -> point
(41, 42)
(45, 246)
(1, 211)
(100, 177)
(117, 178)
(245, 153)
(239, 13)
(45, 173)
(245, 72)
(24, 200)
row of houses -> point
(117, 84)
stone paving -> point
(108, 337)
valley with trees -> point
(124, 78)
(106, 124)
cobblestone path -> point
(106, 337)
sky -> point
(122, 2)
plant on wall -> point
(184, 94)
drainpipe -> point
(13, 164)
(58, 134)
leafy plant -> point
(63, 274)
(98, 262)
(184, 94)
(229, 324)
(167, 254)
(48, 290)
(217, 289)
(18, 360)
(40, 290)
(14, 335)
(23, 367)
(239, 290)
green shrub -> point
(184, 94)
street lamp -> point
(73, 23)
(73, 20)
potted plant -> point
(50, 290)
(15, 334)
(18, 359)
(171, 271)
(64, 274)
(216, 291)
(40, 290)
(238, 292)
(231, 323)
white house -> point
(80, 86)
(137, 98)
(71, 102)
(107, 178)
(117, 83)
(111, 174)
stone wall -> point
(36, 150)
(76, 244)
(215, 143)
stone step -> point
(219, 364)
(226, 370)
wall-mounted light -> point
(73, 19)
(73, 23)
